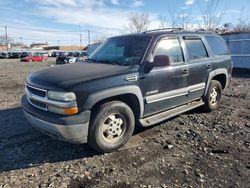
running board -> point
(157, 118)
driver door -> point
(166, 87)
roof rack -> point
(165, 29)
(202, 31)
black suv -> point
(138, 79)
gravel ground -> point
(195, 149)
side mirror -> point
(161, 61)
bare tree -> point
(138, 22)
(183, 19)
(178, 16)
(163, 21)
(227, 27)
(3, 40)
(243, 24)
(173, 12)
(211, 15)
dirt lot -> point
(195, 149)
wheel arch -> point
(222, 78)
(221, 75)
(131, 95)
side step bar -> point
(157, 118)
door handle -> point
(209, 66)
(184, 71)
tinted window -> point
(170, 47)
(217, 45)
(195, 49)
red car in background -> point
(35, 57)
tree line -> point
(212, 13)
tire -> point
(111, 127)
(212, 98)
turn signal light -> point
(70, 111)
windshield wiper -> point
(104, 61)
(110, 62)
(89, 59)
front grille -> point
(38, 104)
(36, 91)
(40, 93)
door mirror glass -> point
(161, 61)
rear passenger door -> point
(199, 66)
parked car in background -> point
(53, 54)
(36, 57)
(15, 55)
(44, 54)
(69, 57)
(3, 55)
(25, 54)
(60, 58)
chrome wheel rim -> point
(214, 96)
(113, 128)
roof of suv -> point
(175, 31)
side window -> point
(170, 47)
(195, 49)
(217, 45)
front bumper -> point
(68, 128)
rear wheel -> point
(213, 97)
(111, 126)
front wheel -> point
(212, 98)
(111, 126)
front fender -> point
(112, 92)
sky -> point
(60, 21)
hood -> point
(61, 77)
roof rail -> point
(165, 29)
(203, 31)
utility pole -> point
(6, 38)
(58, 43)
(80, 36)
(21, 39)
(89, 36)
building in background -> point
(18, 47)
(62, 48)
(3, 48)
(38, 46)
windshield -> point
(126, 51)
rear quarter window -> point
(217, 45)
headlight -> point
(61, 96)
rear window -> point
(217, 45)
(195, 49)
